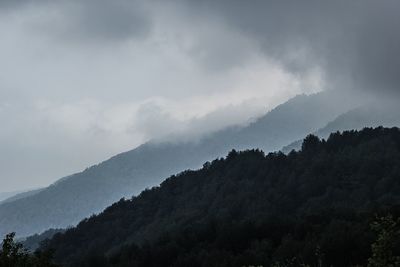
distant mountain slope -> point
(5, 195)
(252, 209)
(74, 197)
(370, 115)
(19, 194)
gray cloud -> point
(355, 42)
(108, 20)
(89, 20)
(7, 5)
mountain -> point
(369, 115)
(10, 197)
(74, 197)
(250, 209)
(5, 195)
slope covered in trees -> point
(309, 207)
(77, 196)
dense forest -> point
(310, 207)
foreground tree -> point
(13, 254)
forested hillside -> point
(80, 195)
(309, 207)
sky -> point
(83, 80)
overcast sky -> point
(83, 80)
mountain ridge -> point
(74, 197)
(368, 115)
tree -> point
(13, 254)
(387, 230)
(310, 143)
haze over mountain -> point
(74, 197)
(81, 81)
(373, 114)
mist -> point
(83, 80)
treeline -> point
(312, 207)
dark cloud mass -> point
(355, 42)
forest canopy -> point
(311, 207)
